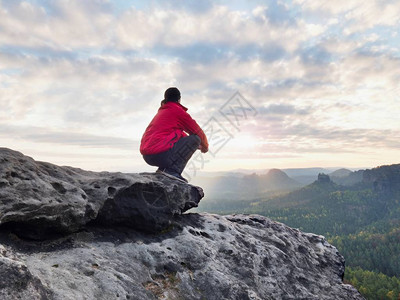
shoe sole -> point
(171, 176)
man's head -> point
(172, 94)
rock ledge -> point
(39, 198)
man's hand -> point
(203, 148)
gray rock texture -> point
(200, 257)
(16, 281)
(39, 198)
(124, 237)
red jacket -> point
(167, 127)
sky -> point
(274, 84)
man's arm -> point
(190, 125)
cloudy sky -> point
(317, 81)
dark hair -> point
(172, 94)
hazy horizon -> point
(317, 81)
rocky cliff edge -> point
(67, 233)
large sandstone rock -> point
(185, 256)
(201, 257)
(38, 198)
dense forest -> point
(362, 220)
(373, 285)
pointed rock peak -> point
(323, 178)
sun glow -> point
(244, 141)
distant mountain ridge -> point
(382, 178)
(246, 186)
(346, 177)
(275, 179)
(385, 180)
(291, 172)
(340, 173)
(233, 187)
(362, 190)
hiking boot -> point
(172, 174)
(180, 177)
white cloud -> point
(71, 26)
(358, 15)
(373, 13)
(79, 25)
(331, 7)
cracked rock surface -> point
(200, 257)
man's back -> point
(165, 129)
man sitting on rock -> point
(172, 137)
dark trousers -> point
(175, 159)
